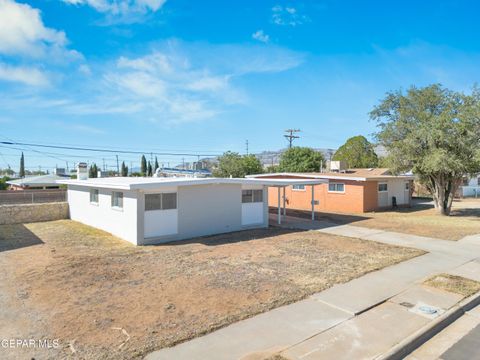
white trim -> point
(333, 177)
(335, 191)
(378, 187)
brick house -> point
(349, 191)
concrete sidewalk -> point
(360, 319)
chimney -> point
(82, 171)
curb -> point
(418, 338)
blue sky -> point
(204, 76)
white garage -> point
(155, 210)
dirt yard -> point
(421, 219)
(105, 299)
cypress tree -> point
(156, 164)
(150, 170)
(143, 166)
(124, 171)
(22, 166)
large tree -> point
(232, 164)
(357, 152)
(300, 159)
(435, 132)
(93, 171)
(156, 165)
(149, 169)
(21, 173)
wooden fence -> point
(8, 197)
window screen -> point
(94, 196)
(382, 187)
(257, 195)
(298, 187)
(153, 202)
(117, 199)
(169, 201)
(407, 186)
(247, 196)
(336, 187)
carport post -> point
(279, 220)
(284, 201)
(313, 203)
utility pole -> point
(118, 168)
(246, 144)
(290, 137)
(131, 167)
(104, 169)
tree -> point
(357, 152)
(232, 164)
(149, 169)
(93, 171)
(143, 165)
(434, 132)
(156, 164)
(251, 165)
(21, 173)
(124, 169)
(300, 159)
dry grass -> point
(419, 220)
(90, 289)
(455, 284)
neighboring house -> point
(470, 187)
(48, 181)
(349, 191)
(155, 210)
(174, 172)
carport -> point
(281, 184)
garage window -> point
(382, 187)
(94, 196)
(163, 201)
(117, 199)
(336, 187)
(153, 202)
(298, 187)
(252, 196)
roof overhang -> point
(331, 177)
(158, 183)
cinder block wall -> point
(26, 213)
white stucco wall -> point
(121, 223)
(396, 187)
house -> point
(348, 191)
(155, 210)
(48, 181)
(470, 187)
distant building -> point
(175, 172)
(36, 182)
(470, 187)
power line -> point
(103, 150)
(290, 136)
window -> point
(94, 196)
(382, 187)
(407, 186)
(336, 187)
(249, 196)
(169, 201)
(153, 202)
(298, 187)
(164, 201)
(465, 181)
(478, 181)
(117, 199)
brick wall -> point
(26, 213)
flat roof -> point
(351, 174)
(145, 183)
(37, 180)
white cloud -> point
(22, 74)
(261, 36)
(121, 10)
(289, 16)
(22, 32)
